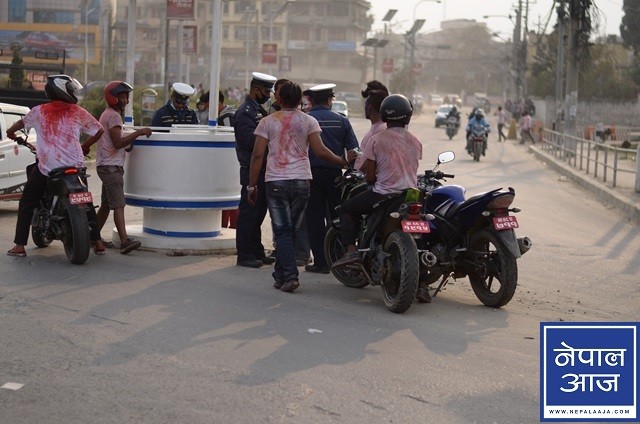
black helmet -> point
(62, 87)
(396, 108)
(454, 109)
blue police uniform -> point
(168, 115)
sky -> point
(539, 10)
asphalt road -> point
(148, 338)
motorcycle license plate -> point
(416, 227)
(505, 222)
(80, 198)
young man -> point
(110, 160)
(59, 125)
(502, 120)
(372, 112)
(288, 134)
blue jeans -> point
(287, 200)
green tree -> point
(16, 74)
(630, 26)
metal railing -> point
(596, 158)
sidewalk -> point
(623, 197)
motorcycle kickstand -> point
(445, 280)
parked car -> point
(435, 99)
(441, 115)
(14, 159)
(340, 107)
(453, 99)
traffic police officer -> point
(176, 110)
(248, 233)
(337, 134)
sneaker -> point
(348, 259)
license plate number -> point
(505, 222)
(416, 227)
(80, 198)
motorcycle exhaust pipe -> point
(428, 259)
(524, 244)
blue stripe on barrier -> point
(174, 143)
(181, 204)
(181, 234)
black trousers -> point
(250, 218)
(324, 197)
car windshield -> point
(444, 109)
(339, 106)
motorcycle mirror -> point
(446, 157)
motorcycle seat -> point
(455, 208)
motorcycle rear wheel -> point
(75, 232)
(333, 250)
(401, 273)
(496, 265)
(39, 235)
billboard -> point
(181, 9)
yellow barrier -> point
(513, 130)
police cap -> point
(263, 80)
(183, 90)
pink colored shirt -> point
(396, 152)
(525, 122)
(59, 125)
(373, 130)
(108, 154)
(287, 132)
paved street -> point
(148, 338)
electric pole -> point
(571, 97)
(559, 63)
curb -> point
(605, 194)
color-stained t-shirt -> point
(287, 131)
(108, 154)
(396, 153)
(373, 130)
(59, 125)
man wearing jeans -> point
(288, 134)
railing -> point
(593, 157)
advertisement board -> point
(181, 9)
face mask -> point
(263, 99)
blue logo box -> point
(589, 371)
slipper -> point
(13, 252)
(98, 249)
(129, 245)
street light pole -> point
(416, 28)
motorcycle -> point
(472, 237)
(452, 127)
(386, 243)
(477, 143)
(62, 214)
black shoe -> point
(318, 269)
(278, 285)
(250, 263)
(290, 286)
(267, 260)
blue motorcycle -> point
(472, 237)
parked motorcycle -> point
(477, 143)
(452, 127)
(386, 243)
(62, 214)
(472, 237)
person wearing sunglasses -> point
(177, 110)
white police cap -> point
(264, 80)
(323, 87)
(183, 89)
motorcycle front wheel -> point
(401, 272)
(75, 232)
(477, 151)
(333, 250)
(496, 277)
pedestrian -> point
(288, 134)
(110, 159)
(202, 107)
(250, 249)
(307, 101)
(275, 106)
(58, 125)
(502, 120)
(373, 100)
(525, 127)
(337, 134)
(176, 111)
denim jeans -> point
(287, 200)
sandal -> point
(17, 253)
(98, 247)
(129, 245)
(348, 259)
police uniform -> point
(248, 234)
(337, 135)
(168, 115)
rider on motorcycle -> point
(391, 166)
(454, 113)
(477, 119)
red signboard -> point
(269, 54)
(387, 65)
(190, 39)
(181, 9)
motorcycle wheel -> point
(477, 151)
(494, 282)
(75, 232)
(333, 250)
(401, 273)
(40, 237)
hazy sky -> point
(611, 13)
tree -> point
(630, 26)
(16, 75)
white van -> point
(14, 159)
